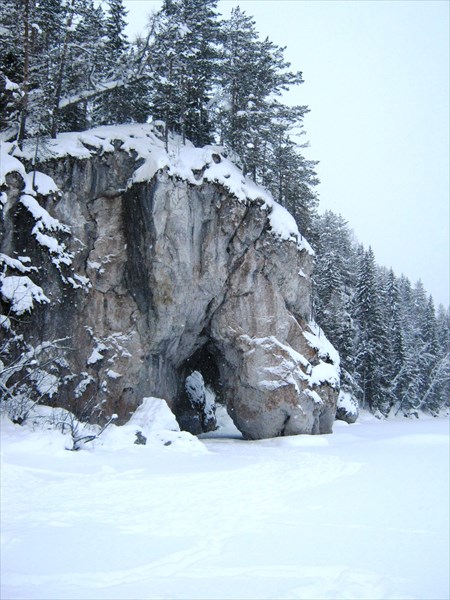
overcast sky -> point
(377, 83)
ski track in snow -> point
(362, 513)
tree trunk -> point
(26, 74)
(62, 68)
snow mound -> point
(154, 415)
(154, 420)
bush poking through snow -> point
(81, 433)
(29, 375)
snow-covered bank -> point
(362, 513)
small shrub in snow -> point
(41, 417)
(28, 374)
(82, 433)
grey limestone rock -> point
(168, 277)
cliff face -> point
(151, 265)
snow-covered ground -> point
(362, 513)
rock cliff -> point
(128, 267)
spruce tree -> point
(395, 353)
(371, 340)
(440, 379)
(333, 281)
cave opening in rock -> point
(204, 360)
(200, 390)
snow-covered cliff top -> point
(195, 165)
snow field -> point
(361, 513)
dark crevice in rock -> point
(285, 424)
(137, 220)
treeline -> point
(394, 346)
(67, 65)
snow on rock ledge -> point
(194, 165)
(171, 262)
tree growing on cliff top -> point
(57, 58)
(116, 106)
(255, 125)
(184, 61)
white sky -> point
(377, 83)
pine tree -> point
(259, 131)
(184, 59)
(16, 51)
(61, 58)
(47, 64)
(114, 108)
(236, 109)
(11, 67)
(285, 172)
(253, 74)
